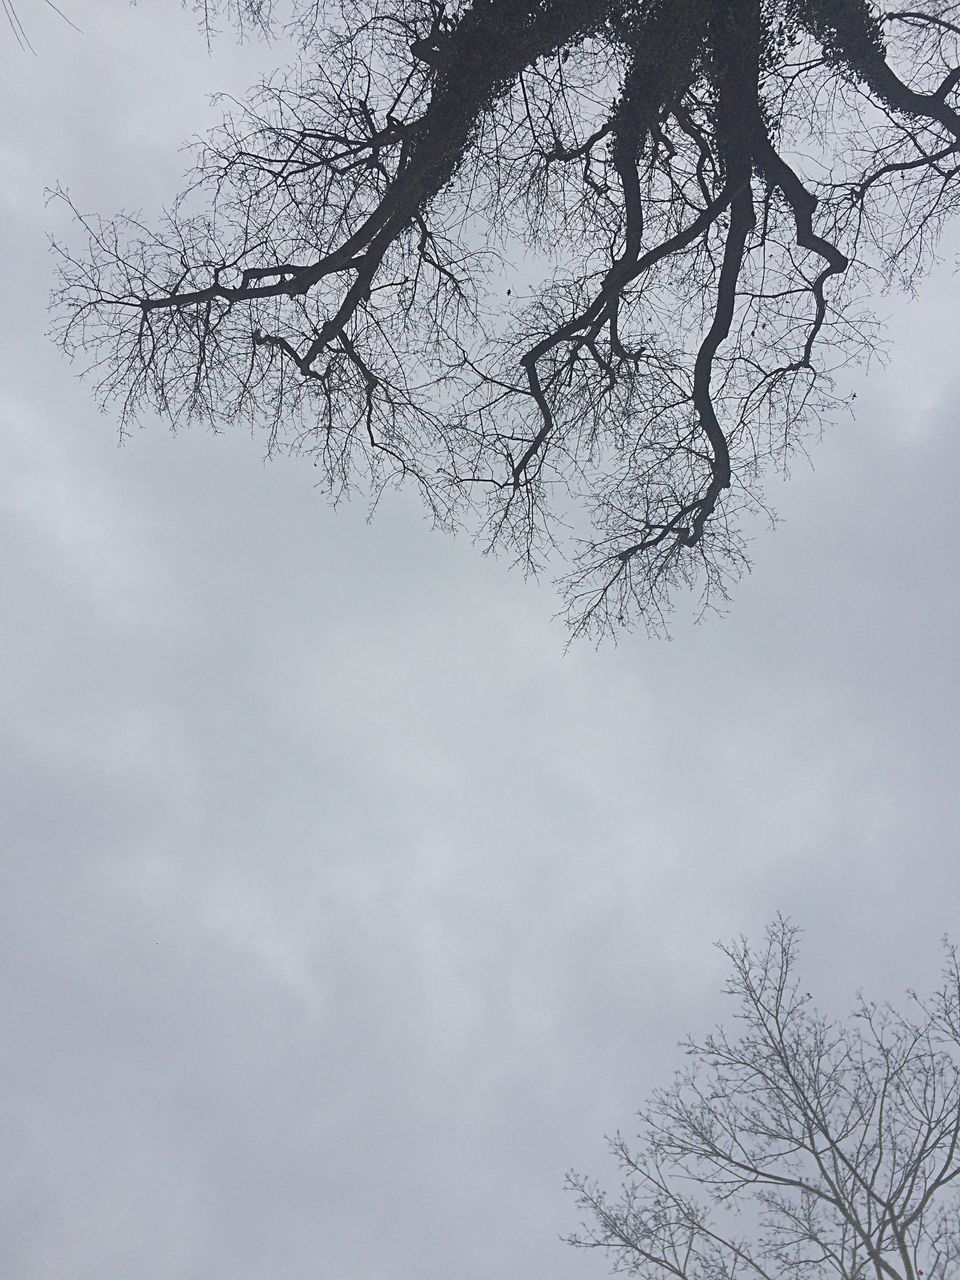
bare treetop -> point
(579, 270)
(801, 1149)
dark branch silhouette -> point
(19, 31)
(573, 266)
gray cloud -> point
(341, 910)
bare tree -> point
(801, 1150)
(579, 270)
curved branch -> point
(737, 37)
(803, 204)
(849, 29)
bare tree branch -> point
(561, 264)
(836, 1147)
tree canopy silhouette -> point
(802, 1148)
(579, 270)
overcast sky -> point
(341, 912)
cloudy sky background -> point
(340, 911)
